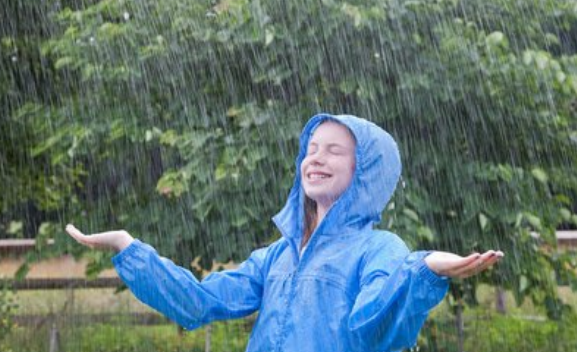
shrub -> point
(7, 307)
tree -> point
(179, 121)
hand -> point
(114, 240)
(455, 266)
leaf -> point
(411, 214)
(220, 172)
(533, 220)
(172, 183)
(169, 137)
(22, 271)
(495, 39)
(523, 283)
(540, 175)
(353, 12)
(15, 228)
(483, 221)
(268, 37)
(565, 214)
(426, 233)
(574, 219)
(518, 220)
(542, 60)
(63, 62)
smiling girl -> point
(331, 282)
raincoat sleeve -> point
(176, 293)
(397, 293)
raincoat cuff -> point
(429, 275)
(127, 252)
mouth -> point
(315, 175)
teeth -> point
(317, 176)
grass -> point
(85, 301)
(525, 326)
(228, 336)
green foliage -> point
(484, 333)
(520, 334)
(225, 336)
(495, 332)
(179, 120)
(7, 308)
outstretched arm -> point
(399, 290)
(173, 290)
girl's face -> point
(328, 168)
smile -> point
(317, 176)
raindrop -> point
(126, 16)
(14, 58)
(377, 55)
(92, 40)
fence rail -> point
(61, 283)
(15, 247)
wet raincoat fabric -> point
(353, 288)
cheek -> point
(303, 167)
(352, 167)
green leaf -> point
(495, 39)
(574, 219)
(542, 60)
(533, 220)
(411, 214)
(169, 137)
(426, 233)
(523, 283)
(565, 214)
(172, 183)
(22, 271)
(540, 175)
(483, 221)
(220, 172)
(15, 228)
(269, 37)
(63, 62)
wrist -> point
(124, 240)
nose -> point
(318, 158)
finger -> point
(474, 266)
(490, 262)
(454, 268)
(467, 270)
(79, 236)
(74, 232)
(486, 261)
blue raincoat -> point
(353, 288)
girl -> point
(332, 282)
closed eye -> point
(337, 150)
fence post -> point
(54, 336)
(208, 340)
(500, 300)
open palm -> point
(455, 266)
(110, 240)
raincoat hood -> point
(377, 172)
